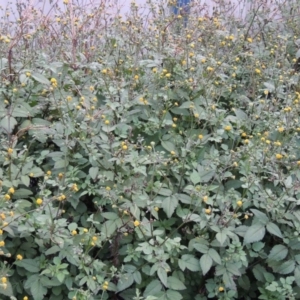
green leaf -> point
(162, 275)
(285, 268)
(240, 114)
(8, 123)
(168, 146)
(201, 248)
(93, 172)
(7, 291)
(221, 237)
(195, 177)
(22, 193)
(175, 284)
(189, 262)
(52, 250)
(109, 215)
(278, 253)
(125, 281)
(215, 256)
(137, 277)
(40, 78)
(153, 288)
(28, 264)
(205, 263)
(244, 282)
(254, 233)
(173, 295)
(169, 205)
(297, 275)
(263, 218)
(274, 229)
(38, 291)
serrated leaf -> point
(215, 256)
(285, 268)
(22, 193)
(205, 263)
(110, 215)
(30, 265)
(7, 291)
(255, 233)
(173, 295)
(40, 78)
(168, 146)
(297, 275)
(93, 172)
(221, 237)
(244, 282)
(190, 262)
(169, 205)
(137, 277)
(195, 177)
(162, 275)
(38, 291)
(274, 229)
(241, 115)
(8, 123)
(153, 288)
(201, 248)
(175, 284)
(261, 216)
(278, 253)
(124, 282)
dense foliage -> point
(150, 158)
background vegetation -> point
(150, 157)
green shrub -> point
(158, 163)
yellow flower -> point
(227, 128)
(6, 197)
(39, 201)
(298, 162)
(168, 75)
(279, 156)
(31, 174)
(94, 238)
(209, 69)
(3, 279)
(208, 211)
(74, 187)
(280, 129)
(221, 289)
(10, 151)
(200, 136)
(28, 74)
(62, 197)
(19, 257)
(136, 77)
(69, 98)
(136, 223)
(85, 230)
(239, 203)
(235, 164)
(124, 147)
(246, 217)
(106, 122)
(2, 243)
(11, 190)
(60, 175)
(1, 231)
(25, 298)
(156, 208)
(105, 285)
(249, 40)
(205, 198)
(257, 71)
(173, 153)
(74, 232)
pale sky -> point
(241, 6)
